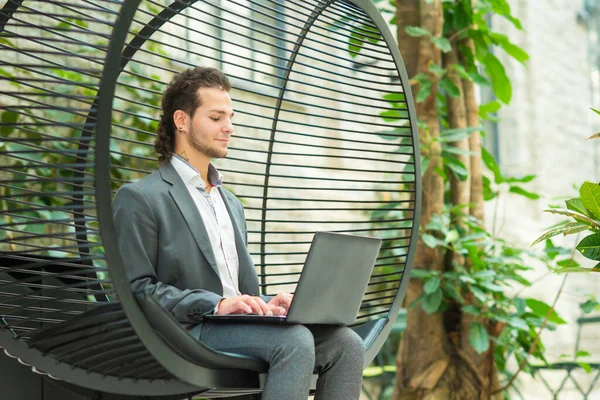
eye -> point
(215, 118)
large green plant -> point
(584, 215)
(464, 270)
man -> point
(183, 239)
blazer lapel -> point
(190, 213)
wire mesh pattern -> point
(52, 257)
(577, 377)
(324, 141)
(101, 341)
(311, 150)
(562, 379)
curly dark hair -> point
(182, 94)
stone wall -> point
(543, 132)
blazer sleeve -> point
(137, 234)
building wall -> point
(543, 132)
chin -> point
(221, 153)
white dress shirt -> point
(216, 219)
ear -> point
(181, 120)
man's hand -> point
(243, 304)
(280, 304)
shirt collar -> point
(190, 175)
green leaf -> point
(489, 108)
(431, 302)
(392, 115)
(479, 79)
(511, 49)
(424, 91)
(394, 97)
(586, 367)
(485, 275)
(24, 152)
(582, 353)
(491, 286)
(436, 69)
(471, 309)
(557, 231)
(449, 87)
(576, 204)
(429, 240)
(589, 246)
(421, 273)
(355, 43)
(438, 223)
(457, 167)
(456, 134)
(590, 196)
(518, 323)
(500, 7)
(596, 111)
(567, 263)
(490, 163)
(453, 292)
(478, 293)
(516, 52)
(10, 44)
(442, 43)
(447, 150)
(520, 191)
(440, 172)
(8, 117)
(579, 217)
(500, 82)
(542, 309)
(576, 229)
(452, 236)
(588, 306)
(520, 305)
(525, 179)
(432, 284)
(478, 337)
(568, 270)
(515, 21)
(417, 31)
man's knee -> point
(301, 337)
(352, 341)
(350, 344)
(299, 343)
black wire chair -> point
(326, 139)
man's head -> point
(196, 114)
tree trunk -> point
(474, 143)
(407, 14)
(457, 119)
(425, 370)
(435, 359)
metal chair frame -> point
(176, 374)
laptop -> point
(333, 282)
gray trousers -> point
(294, 353)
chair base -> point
(18, 382)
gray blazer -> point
(165, 246)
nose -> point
(228, 127)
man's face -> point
(212, 125)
